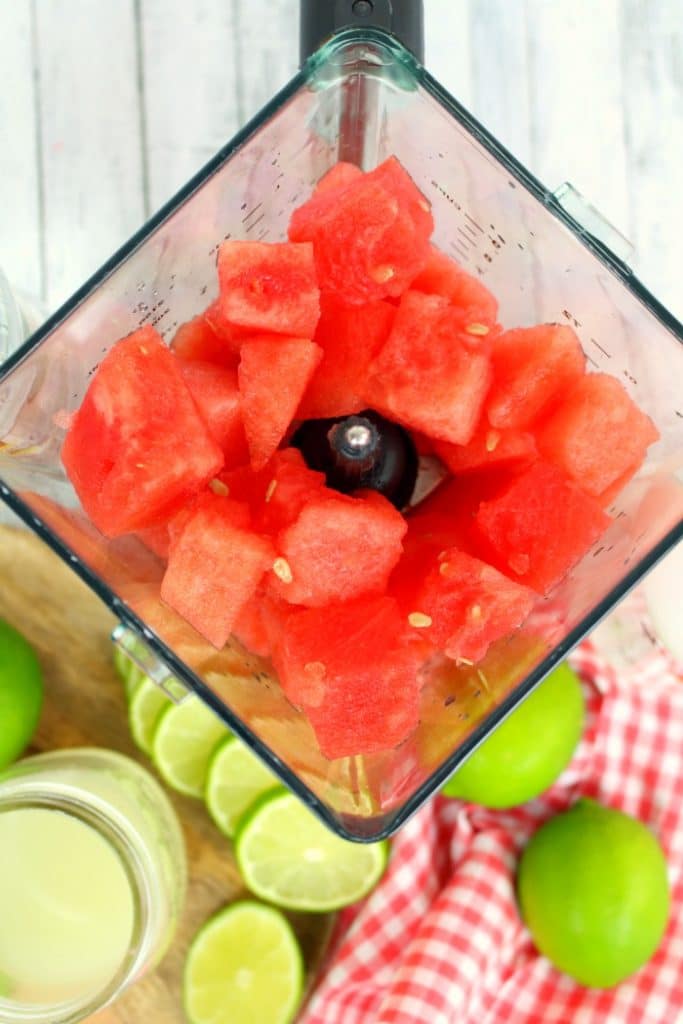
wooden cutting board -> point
(85, 706)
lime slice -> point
(184, 742)
(244, 966)
(21, 693)
(288, 857)
(236, 778)
(130, 673)
(147, 705)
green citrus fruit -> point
(593, 891)
(528, 751)
(21, 693)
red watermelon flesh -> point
(215, 391)
(339, 176)
(269, 287)
(199, 340)
(488, 447)
(137, 447)
(259, 624)
(597, 433)
(532, 368)
(443, 276)
(339, 548)
(349, 336)
(540, 526)
(273, 375)
(370, 238)
(157, 539)
(290, 487)
(214, 567)
(354, 672)
(426, 375)
(465, 605)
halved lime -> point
(236, 778)
(184, 741)
(244, 965)
(288, 857)
(130, 673)
(147, 705)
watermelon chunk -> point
(216, 395)
(488, 447)
(464, 605)
(290, 486)
(157, 539)
(427, 375)
(339, 548)
(532, 367)
(540, 526)
(273, 375)
(354, 672)
(214, 567)
(339, 176)
(350, 336)
(597, 433)
(370, 238)
(269, 287)
(137, 447)
(443, 276)
(199, 339)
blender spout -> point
(320, 19)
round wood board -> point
(85, 706)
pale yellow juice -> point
(67, 909)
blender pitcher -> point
(362, 95)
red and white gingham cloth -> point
(440, 940)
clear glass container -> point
(93, 882)
(547, 257)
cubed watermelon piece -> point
(532, 368)
(137, 447)
(427, 375)
(269, 286)
(488, 447)
(339, 548)
(339, 176)
(353, 670)
(273, 375)
(444, 276)
(214, 567)
(199, 339)
(597, 433)
(215, 391)
(350, 336)
(464, 605)
(379, 260)
(540, 526)
(290, 486)
(259, 624)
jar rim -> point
(113, 830)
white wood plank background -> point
(105, 108)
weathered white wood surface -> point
(105, 108)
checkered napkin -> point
(440, 940)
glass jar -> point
(92, 884)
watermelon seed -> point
(480, 329)
(219, 488)
(382, 273)
(424, 205)
(475, 611)
(316, 669)
(139, 465)
(519, 564)
(419, 620)
(282, 570)
(492, 439)
(270, 490)
(464, 661)
(484, 680)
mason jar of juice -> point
(92, 882)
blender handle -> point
(319, 19)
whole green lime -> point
(528, 750)
(594, 894)
(21, 693)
